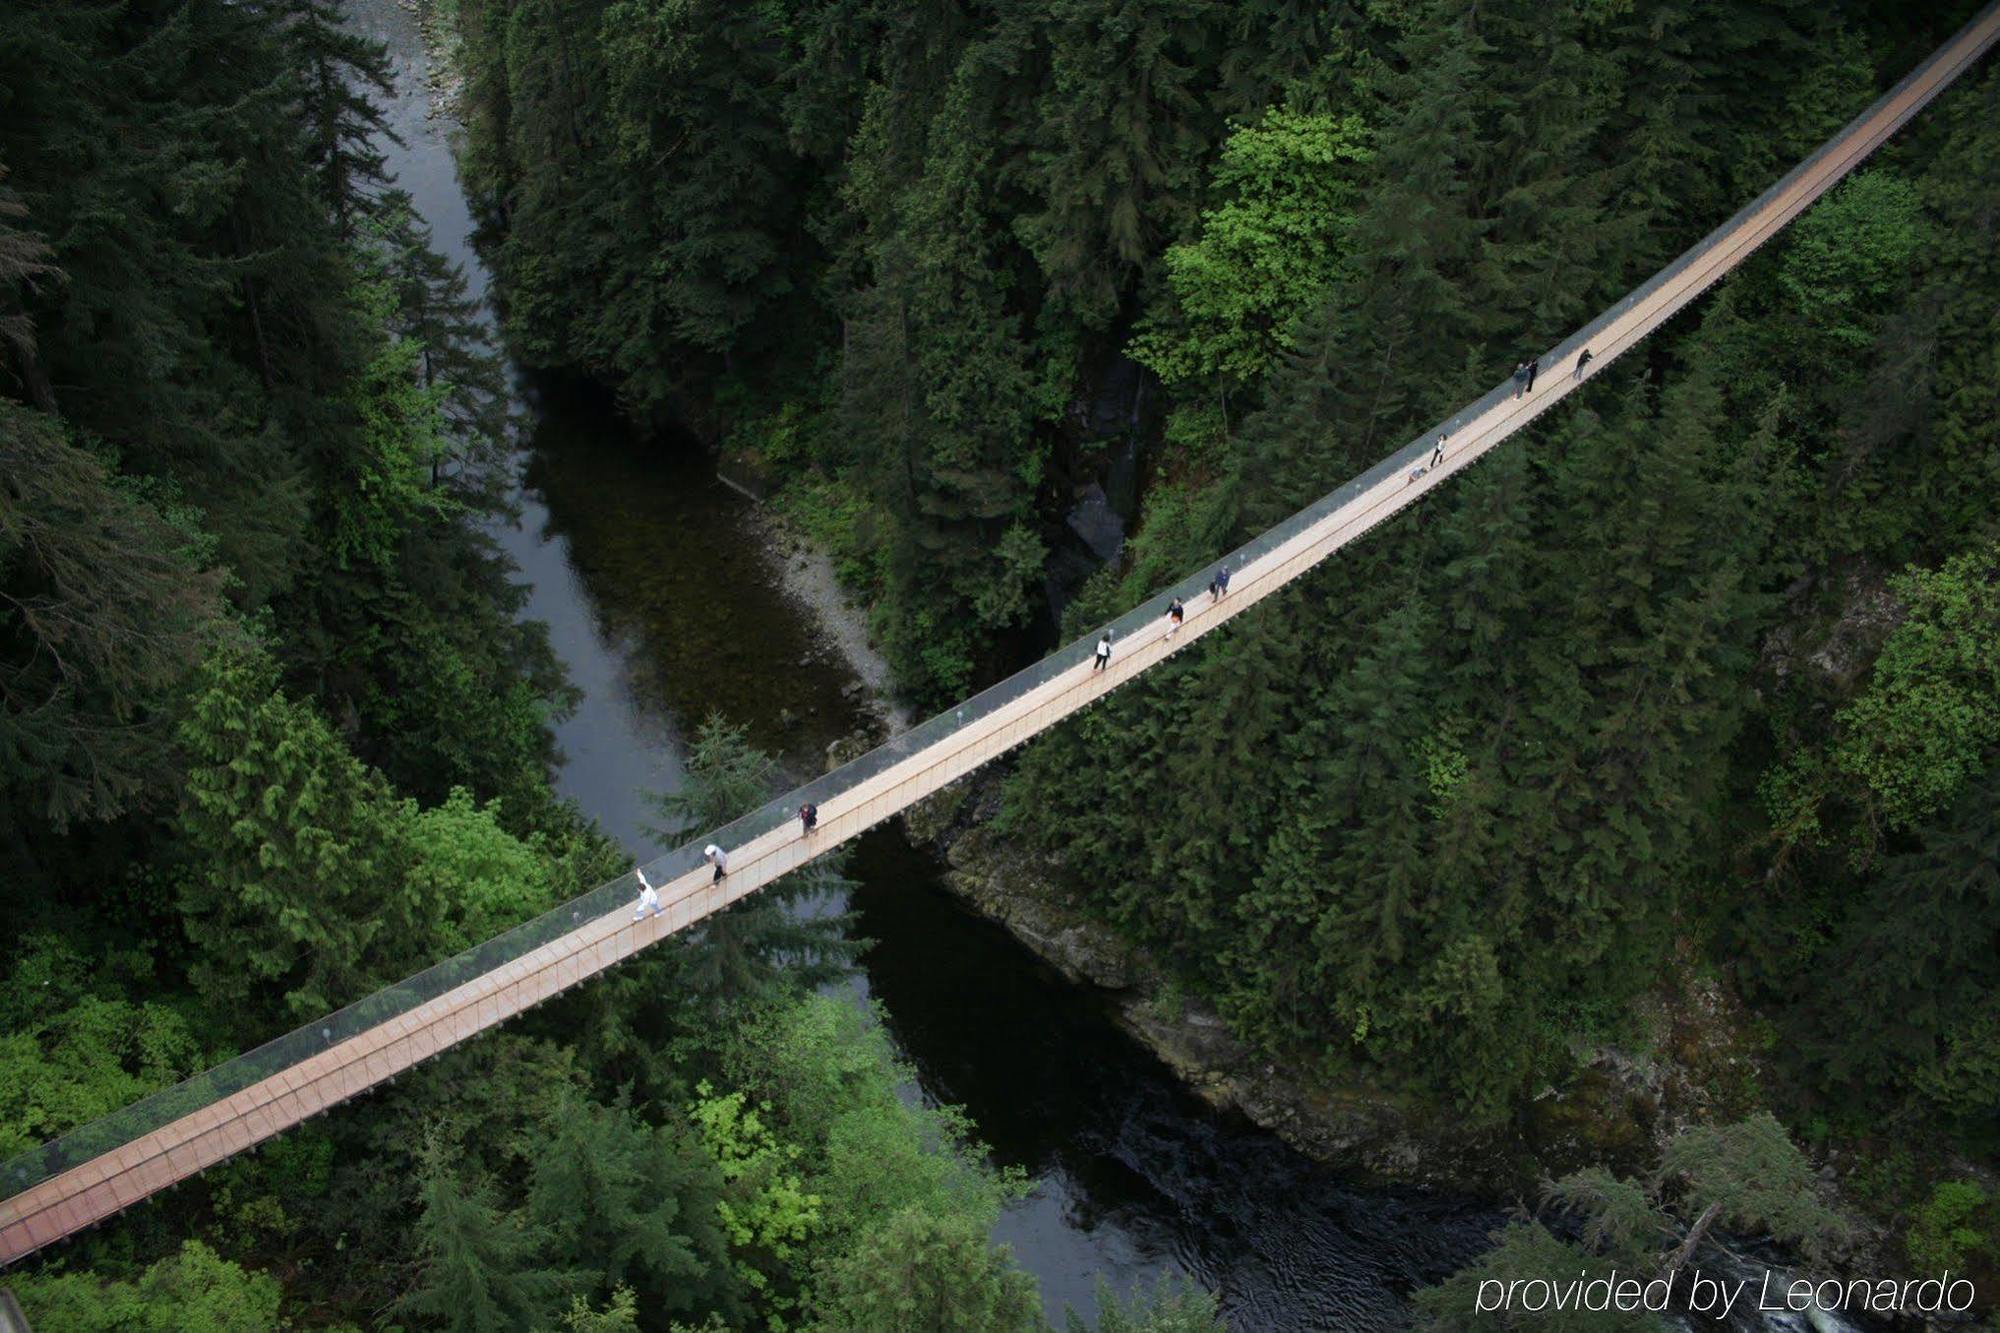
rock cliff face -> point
(1605, 1115)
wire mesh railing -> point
(154, 1112)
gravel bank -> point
(806, 575)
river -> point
(664, 605)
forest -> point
(275, 734)
(1693, 688)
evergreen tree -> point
(1123, 129)
(1748, 1176)
(1170, 1306)
(1920, 1013)
(478, 1266)
(694, 93)
(942, 397)
(435, 310)
(24, 266)
(627, 1205)
(928, 1275)
(341, 74)
(1408, 315)
(297, 893)
(109, 598)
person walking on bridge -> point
(1521, 379)
(1218, 587)
(649, 897)
(1581, 362)
(808, 818)
(1175, 613)
(1437, 454)
(1103, 659)
(1534, 366)
(717, 858)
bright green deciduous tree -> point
(482, 877)
(1845, 256)
(193, 1289)
(1930, 717)
(766, 1212)
(74, 1044)
(1267, 253)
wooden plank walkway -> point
(108, 1183)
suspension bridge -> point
(107, 1166)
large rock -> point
(1012, 888)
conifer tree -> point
(296, 893)
(435, 310)
(478, 1263)
(340, 76)
(1122, 129)
(24, 266)
(1408, 316)
(1920, 1011)
(695, 91)
(108, 603)
(625, 1204)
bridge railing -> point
(162, 1108)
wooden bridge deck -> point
(105, 1184)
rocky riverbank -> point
(1367, 1129)
(1616, 1109)
(806, 576)
(1696, 1055)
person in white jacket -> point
(717, 858)
(649, 897)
